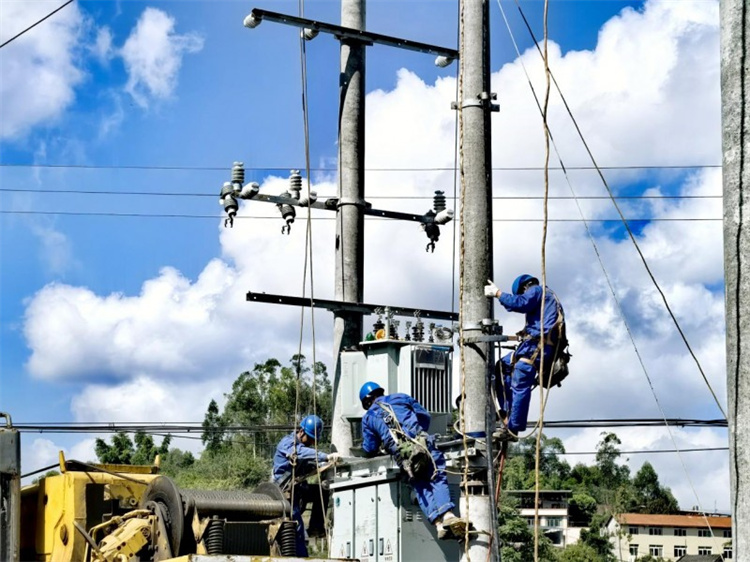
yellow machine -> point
(122, 513)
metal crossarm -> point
(342, 306)
(351, 34)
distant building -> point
(554, 518)
(692, 537)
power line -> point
(197, 427)
(52, 13)
(414, 197)
(333, 169)
(215, 217)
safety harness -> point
(412, 453)
(557, 369)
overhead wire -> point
(632, 237)
(32, 26)
(414, 197)
(328, 169)
(258, 217)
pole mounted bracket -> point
(483, 100)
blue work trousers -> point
(432, 493)
(514, 389)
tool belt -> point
(412, 453)
(416, 459)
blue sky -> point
(94, 328)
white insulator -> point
(442, 61)
(309, 34)
(444, 216)
(251, 21)
(249, 190)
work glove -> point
(333, 458)
(491, 291)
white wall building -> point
(554, 517)
(670, 536)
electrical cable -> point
(32, 26)
(255, 217)
(413, 197)
(414, 169)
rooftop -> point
(652, 520)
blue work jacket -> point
(410, 414)
(530, 303)
(307, 458)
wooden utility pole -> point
(476, 255)
(349, 283)
(735, 87)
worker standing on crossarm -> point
(399, 424)
(520, 368)
(296, 457)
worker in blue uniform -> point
(296, 456)
(399, 424)
(519, 369)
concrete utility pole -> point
(350, 233)
(735, 87)
(476, 257)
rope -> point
(608, 280)
(309, 258)
(542, 400)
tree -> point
(597, 541)
(579, 552)
(119, 452)
(520, 470)
(582, 509)
(518, 537)
(146, 450)
(649, 495)
(214, 426)
(122, 451)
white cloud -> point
(647, 94)
(102, 48)
(39, 69)
(153, 56)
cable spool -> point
(238, 173)
(287, 538)
(439, 201)
(215, 536)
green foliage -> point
(122, 450)
(119, 452)
(230, 469)
(649, 495)
(518, 537)
(520, 469)
(582, 508)
(579, 552)
(270, 394)
(598, 542)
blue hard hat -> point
(312, 426)
(522, 280)
(368, 389)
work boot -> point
(505, 434)
(452, 528)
